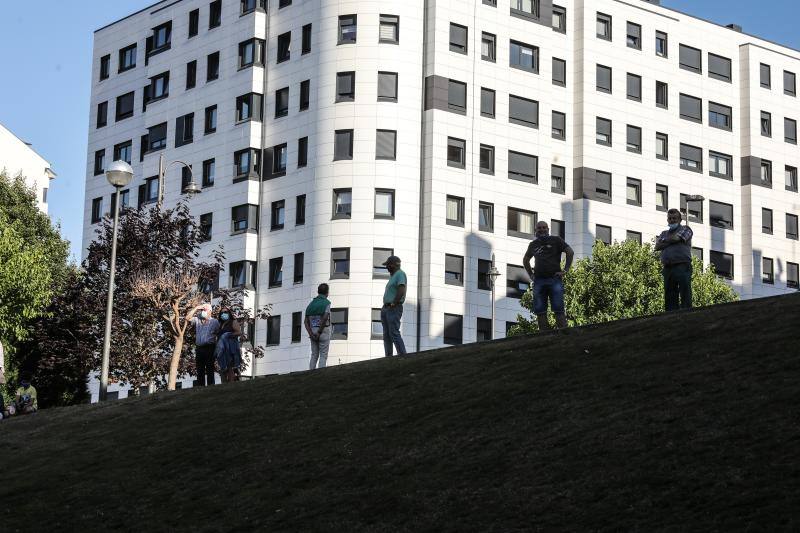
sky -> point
(45, 61)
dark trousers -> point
(204, 357)
(390, 320)
(677, 286)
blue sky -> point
(46, 51)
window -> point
(212, 67)
(277, 214)
(455, 211)
(191, 75)
(302, 152)
(148, 192)
(634, 192)
(458, 38)
(557, 227)
(720, 215)
(483, 329)
(247, 163)
(487, 102)
(342, 203)
(347, 29)
(251, 52)
(386, 144)
(604, 79)
(297, 326)
(559, 72)
(491, 3)
(698, 253)
(194, 22)
(275, 272)
(300, 210)
(603, 131)
(248, 6)
(661, 44)
(558, 179)
(159, 86)
(766, 221)
(160, 40)
(634, 87)
(488, 47)
(156, 138)
(343, 145)
(524, 56)
(124, 107)
(299, 261)
(127, 58)
(766, 124)
(379, 257)
(720, 165)
(691, 210)
(559, 22)
(789, 83)
(456, 152)
(243, 274)
(387, 86)
(521, 223)
(214, 14)
(790, 130)
(662, 95)
(306, 40)
(454, 270)
(691, 158)
(523, 111)
(305, 95)
(487, 159)
(662, 197)
(123, 151)
(791, 178)
(284, 3)
(209, 172)
(662, 146)
(691, 59)
(97, 210)
(719, 67)
(791, 226)
(602, 186)
(384, 203)
(389, 31)
(99, 162)
(722, 263)
(244, 218)
(522, 167)
(526, 8)
(765, 75)
(634, 236)
(340, 263)
(345, 86)
(281, 102)
(376, 330)
(485, 216)
(602, 234)
(792, 275)
(284, 47)
(273, 330)
(559, 126)
(604, 26)
(248, 107)
(453, 329)
(766, 173)
(339, 324)
(105, 67)
(691, 108)
(634, 36)
(634, 139)
(517, 281)
(206, 224)
(102, 114)
(211, 119)
(457, 96)
(184, 130)
(484, 281)
(720, 116)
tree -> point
(623, 280)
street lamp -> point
(493, 274)
(190, 189)
(119, 174)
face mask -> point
(203, 315)
(543, 234)
(224, 316)
(673, 227)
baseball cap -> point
(391, 259)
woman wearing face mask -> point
(228, 352)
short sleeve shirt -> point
(547, 253)
(316, 320)
(397, 279)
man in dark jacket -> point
(547, 274)
(675, 245)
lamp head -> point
(192, 188)
(119, 173)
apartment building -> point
(328, 135)
(18, 157)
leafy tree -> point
(623, 280)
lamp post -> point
(119, 174)
(191, 189)
(493, 274)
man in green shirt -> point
(392, 311)
(318, 326)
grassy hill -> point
(682, 422)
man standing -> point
(547, 274)
(206, 329)
(318, 322)
(675, 245)
(392, 311)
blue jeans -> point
(544, 288)
(390, 320)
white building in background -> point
(329, 134)
(17, 157)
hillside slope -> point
(681, 422)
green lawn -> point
(681, 422)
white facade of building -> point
(432, 139)
(17, 157)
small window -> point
(691, 158)
(191, 75)
(790, 130)
(484, 281)
(691, 108)
(485, 216)
(524, 56)
(453, 329)
(194, 22)
(634, 139)
(486, 159)
(244, 218)
(791, 178)
(792, 275)
(273, 330)
(343, 145)
(559, 125)
(559, 22)
(389, 31)
(300, 210)
(297, 326)
(634, 236)
(458, 38)
(662, 197)
(722, 263)
(284, 47)
(384, 203)
(340, 263)
(347, 29)
(720, 165)
(339, 324)
(634, 192)
(603, 26)
(483, 328)
(99, 162)
(379, 257)
(299, 267)
(558, 228)
(454, 270)
(719, 67)
(662, 146)
(602, 186)
(305, 95)
(284, 3)
(521, 223)
(248, 107)
(766, 173)
(102, 114)
(209, 172)
(789, 83)
(376, 329)
(456, 152)
(603, 131)
(517, 281)
(280, 154)
(766, 221)
(720, 215)
(127, 58)
(692, 210)
(767, 271)
(386, 144)
(559, 72)
(457, 96)
(97, 210)
(123, 151)
(105, 67)
(602, 234)
(247, 163)
(604, 79)
(765, 76)
(487, 102)
(159, 86)
(306, 40)
(211, 119)
(523, 111)
(184, 130)
(791, 227)
(212, 67)
(455, 211)
(215, 14)
(523, 167)
(720, 116)
(206, 226)
(345, 86)
(526, 8)
(302, 152)
(634, 87)
(766, 124)
(248, 6)
(662, 49)
(251, 52)
(691, 59)
(634, 36)
(662, 95)
(124, 106)
(387, 86)
(275, 272)
(698, 253)
(558, 179)
(490, 3)
(488, 47)
(342, 203)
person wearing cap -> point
(392, 310)
(318, 322)
(547, 274)
(206, 329)
(26, 401)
